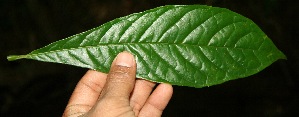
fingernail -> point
(124, 59)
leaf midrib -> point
(138, 43)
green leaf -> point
(191, 45)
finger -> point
(157, 101)
(121, 78)
(141, 92)
(86, 93)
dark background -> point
(32, 88)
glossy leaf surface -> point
(191, 45)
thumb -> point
(121, 78)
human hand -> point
(118, 93)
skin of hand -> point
(118, 93)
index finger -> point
(86, 93)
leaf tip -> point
(283, 56)
(15, 57)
